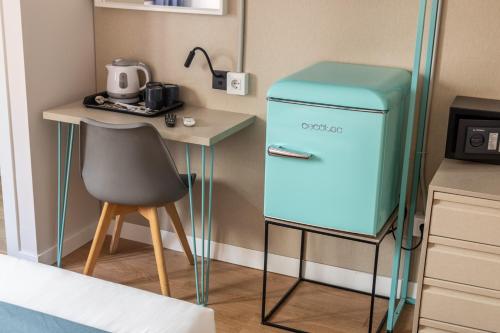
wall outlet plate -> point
(237, 83)
(417, 221)
(220, 82)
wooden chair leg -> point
(116, 233)
(152, 215)
(100, 234)
(120, 213)
(176, 222)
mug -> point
(154, 96)
(170, 94)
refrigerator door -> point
(323, 166)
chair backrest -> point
(128, 164)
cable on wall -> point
(241, 38)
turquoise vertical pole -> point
(424, 99)
(210, 185)
(59, 148)
(202, 223)
(392, 313)
(69, 153)
(193, 228)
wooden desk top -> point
(468, 178)
(211, 126)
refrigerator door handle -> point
(280, 151)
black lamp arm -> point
(190, 58)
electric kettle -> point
(123, 80)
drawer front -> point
(423, 329)
(459, 308)
(471, 222)
(465, 266)
(432, 326)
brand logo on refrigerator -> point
(322, 128)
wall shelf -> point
(221, 9)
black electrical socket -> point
(220, 82)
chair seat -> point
(184, 178)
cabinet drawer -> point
(431, 326)
(424, 329)
(464, 218)
(465, 266)
(460, 308)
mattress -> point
(58, 295)
(15, 319)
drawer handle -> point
(279, 151)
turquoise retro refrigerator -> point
(334, 146)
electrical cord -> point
(421, 228)
(416, 246)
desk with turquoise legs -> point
(212, 126)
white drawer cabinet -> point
(459, 272)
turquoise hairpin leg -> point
(59, 134)
(193, 227)
(424, 99)
(61, 214)
(202, 217)
(394, 310)
(206, 230)
(209, 241)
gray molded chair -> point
(129, 168)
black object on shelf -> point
(90, 102)
(170, 119)
(474, 130)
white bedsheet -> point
(96, 303)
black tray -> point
(90, 102)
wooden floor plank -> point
(235, 292)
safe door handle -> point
(280, 151)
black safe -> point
(474, 130)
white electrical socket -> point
(237, 83)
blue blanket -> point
(15, 319)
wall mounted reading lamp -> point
(219, 78)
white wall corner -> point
(32, 85)
(20, 218)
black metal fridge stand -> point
(374, 241)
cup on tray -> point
(158, 95)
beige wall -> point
(59, 67)
(468, 64)
(282, 37)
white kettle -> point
(123, 80)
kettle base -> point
(124, 100)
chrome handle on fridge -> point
(280, 151)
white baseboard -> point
(278, 264)
(236, 255)
(71, 243)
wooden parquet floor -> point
(235, 292)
